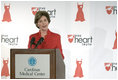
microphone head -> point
(40, 41)
(42, 38)
(32, 40)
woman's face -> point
(43, 23)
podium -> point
(36, 64)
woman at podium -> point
(44, 39)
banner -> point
(88, 32)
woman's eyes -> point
(43, 20)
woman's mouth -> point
(44, 26)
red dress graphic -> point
(6, 16)
(78, 71)
(80, 14)
(5, 70)
(115, 43)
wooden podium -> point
(36, 64)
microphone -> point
(39, 42)
(32, 42)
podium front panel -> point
(32, 66)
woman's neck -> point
(44, 33)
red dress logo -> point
(107, 66)
(70, 38)
(78, 71)
(6, 16)
(80, 14)
(109, 9)
(115, 43)
(5, 70)
(34, 10)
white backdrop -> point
(98, 24)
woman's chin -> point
(44, 29)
